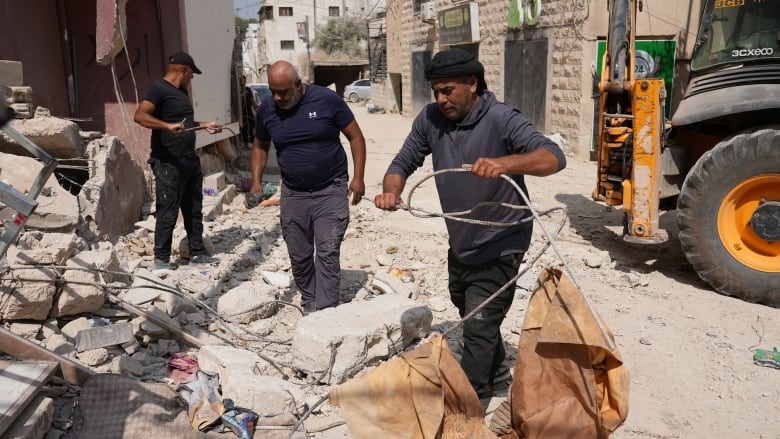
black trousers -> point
(177, 188)
(470, 285)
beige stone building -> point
(543, 64)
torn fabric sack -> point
(116, 406)
(569, 378)
(422, 394)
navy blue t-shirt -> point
(306, 137)
(171, 105)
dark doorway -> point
(525, 78)
(341, 76)
(421, 89)
(395, 80)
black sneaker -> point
(203, 258)
(161, 264)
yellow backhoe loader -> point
(718, 157)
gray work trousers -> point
(313, 226)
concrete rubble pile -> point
(99, 303)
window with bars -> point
(267, 12)
(285, 11)
(333, 11)
(287, 44)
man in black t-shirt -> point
(167, 111)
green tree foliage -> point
(346, 35)
(241, 26)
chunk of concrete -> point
(34, 422)
(277, 279)
(28, 330)
(248, 302)
(30, 296)
(104, 260)
(59, 137)
(58, 344)
(219, 359)
(76, 297)
(337, 343)
(72, 328)
(111, 201)
(214, 183)
(265, 395)
(38, 248)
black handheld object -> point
(6, 114)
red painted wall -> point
(56, 42)
(30, 32)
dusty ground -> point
(688, 349)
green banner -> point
(654, 59)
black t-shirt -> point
(172, 105)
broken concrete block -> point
(72, 328)
(110, 33)
(219, 359)
(35, 422)
(58, 344)
(22, 93)
(356, 335)
(77, 298)
(49, 328)
(30, 297)
(38, 248)
(277, 279)
(28, 330)
(266, 395)
(22, 110)
(59, 137)
(175, 304)
(105, 260)
(248, 302)
(93, 357)
(214, 183)
(111, 200)
(102, 336)
(142, 291)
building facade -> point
(288, 29)
(539, 56)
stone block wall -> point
(571, 28)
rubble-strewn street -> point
(688, 349)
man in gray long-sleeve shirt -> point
(467, 125)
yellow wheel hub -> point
(734, 227)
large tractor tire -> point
(729, 217)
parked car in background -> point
(360, 89)
(260, 91)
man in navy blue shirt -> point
(304, 122)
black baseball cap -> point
(184, 59)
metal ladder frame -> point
(24, 205)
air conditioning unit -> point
(428, 12)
